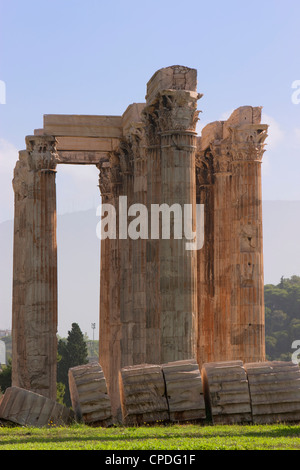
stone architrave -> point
(89, 396)
(27, 408)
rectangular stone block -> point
(143, 398)
(176, 77)
(274, 391)
(184, 391)
(27, 408)
(226, 392)
(89, 395)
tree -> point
(282, 309)
(72, 352)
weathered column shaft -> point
(234, 330)
(205, 261)
(153, 299)
(171, 117)
(247, 310)
(178, 265)
(35, 369)
(110, 322)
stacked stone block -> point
(274, 391)
(226, 392)
(89, 396)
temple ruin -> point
(159, 302)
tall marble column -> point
(171, 116)
(178, 265)
(110, 321)
(247, 304)
(35, 268)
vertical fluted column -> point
(177, 114)
(222, 256)
(35, 365)
(139, 305)
(153, 300)
(247, 305)
(110, 321)
(205, 260)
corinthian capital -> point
(177, 110)
(110, 178)
(248, 142)
(222, 156)
(42, 152)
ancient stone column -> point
(153, 307)
(247, 136)
(35, 268)
(133, 255)
(172, 269)
(230, 265)
(110, 322)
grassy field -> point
(171, 437)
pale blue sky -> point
(96, 56)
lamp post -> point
(93, 325)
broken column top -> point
(218, 130)
(176, 77)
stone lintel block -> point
(27, 408)
(132, 117)
(142, 390)
(89, 395)
(210, 133)
(184, 390)
(176, 77)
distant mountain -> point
(79, 261)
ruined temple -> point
(159, 302)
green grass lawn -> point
(171, 437)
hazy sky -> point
(96, 56)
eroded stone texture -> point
(89, 396)
(226, 392)
(31, 409)
(184, 391)
(143, 398)
(274, 391)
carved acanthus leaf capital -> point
(20, 179)
(248, 142)
(42, 152)
(221, 154)
(110, 177)
(177, 110)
